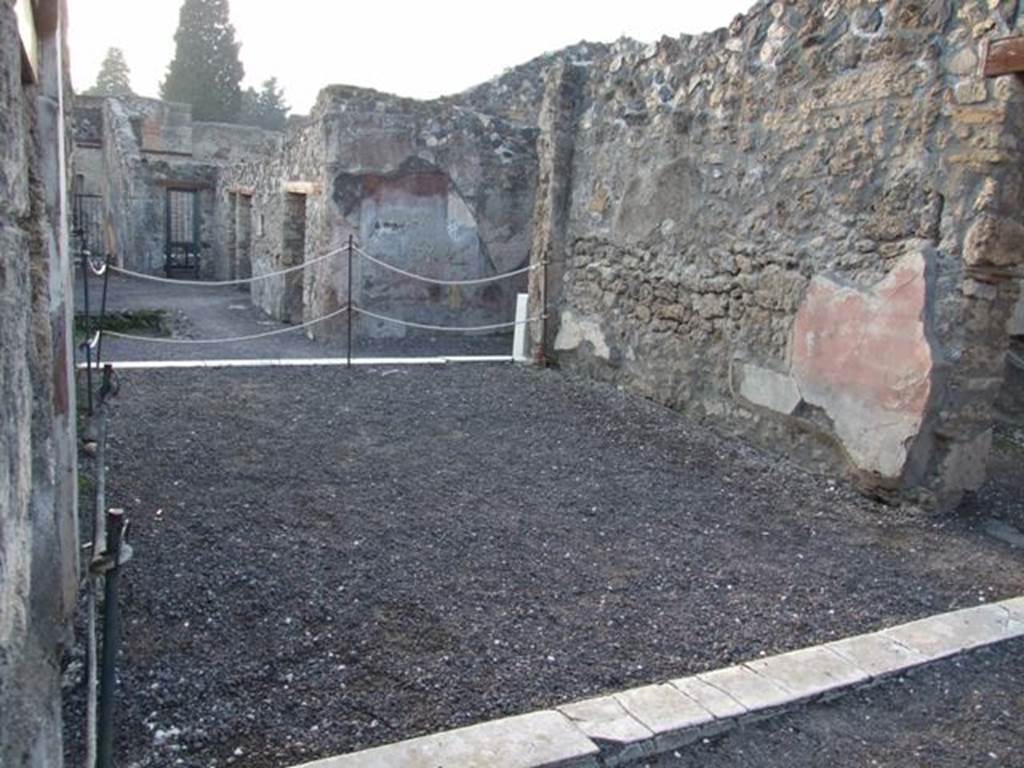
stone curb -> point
(621, 728)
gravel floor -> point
(226, 312)
(328, 560)
(961, 713)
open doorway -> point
(293, 253)
(243, 237)
(182, 247)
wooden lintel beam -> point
(302, 187)
(1003, 56)
(245, 191)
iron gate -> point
(183, 249)
(87, 216)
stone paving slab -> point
(720, 704)
(642, 722)
(952, 633)
(1015, 608)
(810, 672)
(673, 717)
(877, 654)
(604, 720)
(750, 689)
(538, 740)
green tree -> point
(265, 108)
(205, 71)
(114, 78)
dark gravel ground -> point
(964, 713)
(196, 312)
(328, 560)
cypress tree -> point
(266, 108)
(114, 78)
(206, 71)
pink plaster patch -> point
(864, 358)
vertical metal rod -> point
(103, 309)
(98, 537)
(543, 351)
(90, 701)
(349, 346)
(111, 638)
(84, 263)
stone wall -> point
(431, 187)
(146, 147)
(803, 226)
(38, 545)
(252, 204)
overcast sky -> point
(419, 49)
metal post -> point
(103, 309)
(84, 254)
(98, 537)
(542, 352)
(349, 346)
(111, 638)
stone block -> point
(621, 736)
(877, 654)
(970, 92)
(810, 672)
(714, 700)
(750, 689)
(527, 741)
(672, 717)
(951, 633)
(768, 389)
(1015, 609)
(994, 241)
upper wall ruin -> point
(430, 187)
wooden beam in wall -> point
(1003, 56)
(183, 184)
(302, 187)
(245, 191)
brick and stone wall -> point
(804, 226)
(38, 545)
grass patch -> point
(144, 322)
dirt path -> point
(328, 560)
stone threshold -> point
(619, 728)
(145, 365)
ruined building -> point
(806, 227)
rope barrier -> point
(91, 343)
(436, 281)
(426, 327)
(229, 340)
(222, 283)
(98, 271)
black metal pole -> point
(111, 639)
(88, 326)
(103, 309)
(349, 346)
(542, 356)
